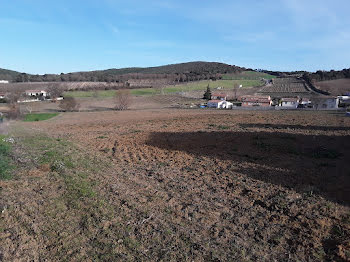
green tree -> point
(207, 94)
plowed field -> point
(220, 185)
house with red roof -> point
(251, 100)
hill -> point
(183, 72)
(182, 68)
(8, 74)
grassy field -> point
(248, 75)
(193, 86)
(39, 117)
(5, 165)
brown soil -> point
(203, 185)
(335, 87)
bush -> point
(69, 104)
(123, 99)
(14, 112)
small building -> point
(343, 98)
(219, 104)
(4, 81)
(219, 96)
(291, 103)
(2, 95)
(325, 103)
(305, 103)
(249, 101)
(36, 93)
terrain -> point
(182, 72)
(178, 185)
(335, 87)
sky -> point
(41, 36)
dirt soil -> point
(197, 185)
(335, 87)
(109, 103)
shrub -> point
(123, 99)
(69, 104)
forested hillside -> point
(183, 72)
(330, 75)
(8, 74)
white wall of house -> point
(343, 98)
(220, 104)
(289, 104)
(4, 81)
(227, 105)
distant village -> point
(222, 101)
(32, 96)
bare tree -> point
(235, 89)
(159, 89)
(123, 99)
(14, 111)
(14, 96)
(69, 104)
(54, 90)
(317, 102)
(29, 109)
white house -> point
(253, 101)
(343, 98)
(4, 82)
(2, 95)
(219, 104)
(291, 103)
(305, 103)
(36, 93)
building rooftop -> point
(261, 99)
(219, 94)
(215, 101)
(289, 99)
(35, 91)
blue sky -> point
(40, 36)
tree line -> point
(330, 75)
(185, 72)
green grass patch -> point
(202, 85)
(39, 117)
(86, 94)
(5, 160)
(64, 160)
(192, 86)
(144, 92)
